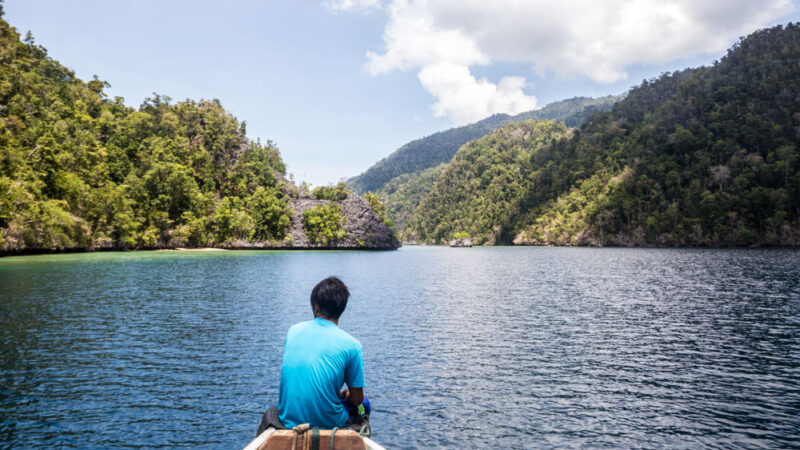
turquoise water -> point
(507, 347)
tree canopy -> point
(81, 170)
(705, 156)
(440, 147)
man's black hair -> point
(331, 296)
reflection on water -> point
(511, 347)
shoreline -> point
(32, 252)
(710, 247)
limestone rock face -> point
(461, 242)
(364, 228)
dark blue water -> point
(508, 347)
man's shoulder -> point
(304, 323)
(300, 326)
(349, 339)
(336, 333)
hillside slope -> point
(403, 193)
(80, 171)
(705, 156)
(480, 189)
(440, 147)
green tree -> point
(380, 209)
(334, 193)
(270, 213)
(704, 156)
(80, 170)
(324, 224)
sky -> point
(340, 84)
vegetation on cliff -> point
(704, 156)
(440, 147)
(480, 190)
(335, 193)
(324, 223)
(403, 193)
(80, 170)
(380, 209)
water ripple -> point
(468, 348)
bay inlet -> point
(503, 347)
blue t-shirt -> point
(318, 357)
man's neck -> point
(333, 321)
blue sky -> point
(299, 73)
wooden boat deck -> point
(262, 439)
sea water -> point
(505, 347)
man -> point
(318, 358)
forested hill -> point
(440, 147)
(81, 171)
(705, 156)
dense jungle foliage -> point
(324, 223)
(481, 188)
(80, 170)
(705, 156)
(403, 193)
(440, 147)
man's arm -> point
(356, 396)
(353, 395)
(354, 376)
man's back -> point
(318, 357)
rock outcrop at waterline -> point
(461, 242)
(363, 228)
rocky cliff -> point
(363, 228)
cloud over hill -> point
(443, 39)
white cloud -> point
(584, 38)
(414, 39)
(464, 99)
